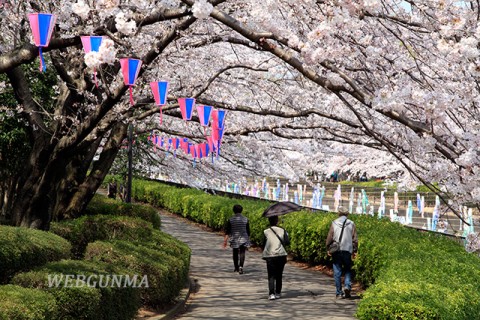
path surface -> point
(224, 294)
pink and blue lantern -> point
(186, 107)
(175, 145)
(130, 69)
(210, 145)
(197, 151)
(218, 116)
(217, 135)
(204, 150)
(184, 145)
(42, 28)
(160, 91)
(218, 123)
(92, 43)
(204, 113)
(191, 149)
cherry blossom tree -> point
(301, 81)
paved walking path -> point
(224, 294)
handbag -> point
(335, 246)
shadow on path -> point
(224, 294)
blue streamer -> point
(43, 67)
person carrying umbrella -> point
(343, 231)
(275, 255)
(275, 240)
(238, 230)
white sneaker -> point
(277, 296)
(271, 297)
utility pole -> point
(129, 154)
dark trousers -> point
(275, 267)
(239, 253)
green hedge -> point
(136, 247)
(412, 274)
(22, 249)
(87, 229)
(97, 302)
(308, 233)
(167, 272)
(103, 205)
(26, 304)
(408, 274)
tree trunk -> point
(72, 200)
(54, 183)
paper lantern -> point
(204, 150)
(218, 116)
(92, 43)
(204, 113)
(175, 145)
(130, 69)
(184, 145)
(217, 135)
(186, 107)
(160, 91)
(211, 145)
(196, 151)
(42, 27)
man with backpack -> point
(343, 236)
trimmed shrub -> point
(79, 299)
(87, 229)
(166, 243)
(26, 304)
(22, 249)
(166, 268)
(412, 273)
(102, 205)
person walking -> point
(112, 190)
(343, 231)
(275, 255)
(238, 230)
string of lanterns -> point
(42, 25)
